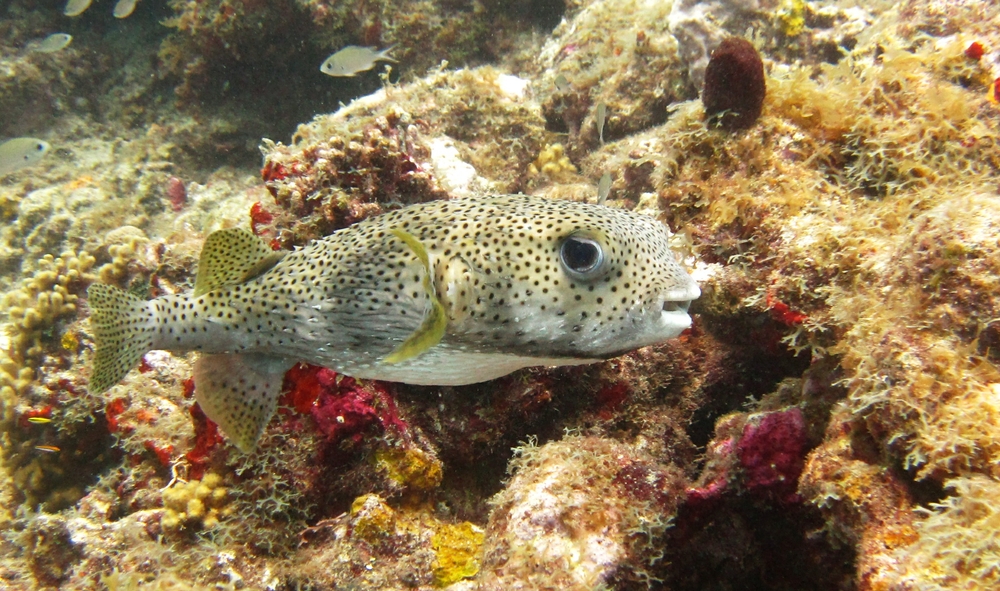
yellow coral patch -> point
(457, 548)
(410, 468)
(792, 16)
(371, 518)
(196, 504)
(552, 162)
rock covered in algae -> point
(577, 514)
(410, 144)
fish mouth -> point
(674, 307)
(677, 301)
(674, 317)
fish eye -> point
(581, 257)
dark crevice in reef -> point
(543, 15)
(752, 361)
(923, 492)
(746, 545)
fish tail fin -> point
(386, 56)
(123, 328)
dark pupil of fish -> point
(580, 255)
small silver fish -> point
(124, 8)
(354, 59)
(76, 7)
(20, 152)
(562, 84)
(602, 112)
(442, 293)
(50, 44)
(603, 188)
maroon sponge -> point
(734, 85)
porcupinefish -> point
(441, 293)
(352, 60)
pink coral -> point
(176, 193)
(343, 409)
(772, 452)
(341, 406)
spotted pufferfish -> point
(440, 293)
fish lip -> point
(677, 301)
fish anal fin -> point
(432, 329)
(231, 257)
(240, 392)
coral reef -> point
(441, 134)
(955, 544)
(218, 46)
(828, 422)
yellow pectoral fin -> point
(432, 329)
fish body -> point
(20, 152)
(602, 113)
(441, 293)
(562, 84)
(124, 8)
(603, 188)
(51, 44)
(76, 7)
(353, 59)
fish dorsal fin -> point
(231, 257)
(240, 392)
(432, 329)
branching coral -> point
(49, 295)
(553, 163)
